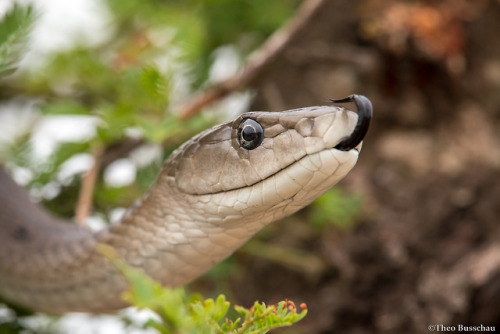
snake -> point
(212, 194)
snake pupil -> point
(250, 134)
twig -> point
(258, 61)
(119, 150)
(89, 178)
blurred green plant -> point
(178, 314)
(14, 29)
(201, 26)
(335, 208)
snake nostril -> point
(365, 111)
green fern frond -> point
(14, 29)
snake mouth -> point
(365, 112)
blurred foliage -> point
(178, 313)
(14, 29)
(13, 327)
(199, 27)
(337, 208)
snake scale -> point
(213, 194)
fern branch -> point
(14, 30)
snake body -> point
(210, 197)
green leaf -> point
(14, 29)
(221, 308)
(155, 85)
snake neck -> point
(50, 265)
(173, 238)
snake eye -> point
(249, 134)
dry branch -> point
(89, 178)
(258, 61)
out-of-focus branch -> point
(258, 61)
(84, 204)
(254, 67)
(120, 150)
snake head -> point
(222, 186)
(257, 146)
